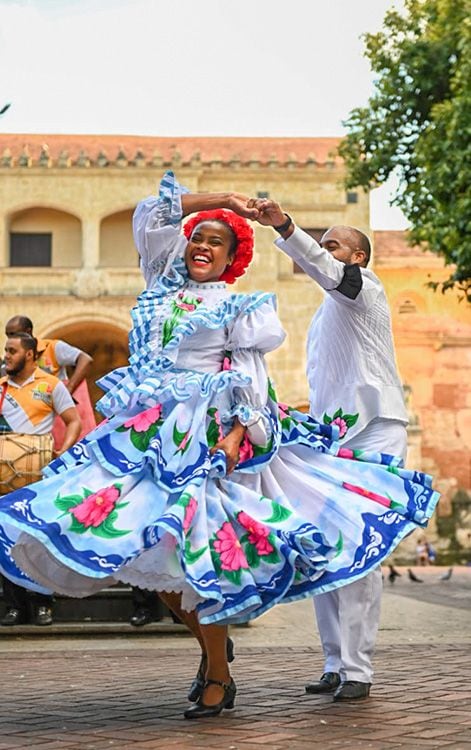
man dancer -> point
(353, 383)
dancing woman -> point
(199, 485)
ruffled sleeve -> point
(251, 336)
(156, 227)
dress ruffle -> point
(145, 376)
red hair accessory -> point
(243, 232)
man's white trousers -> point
(348, 618)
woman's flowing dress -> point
(141, 499)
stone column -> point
(4, 242)
(90, 243)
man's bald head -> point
(347, 244)
(19, 324)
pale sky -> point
(188, 67)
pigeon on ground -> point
(446, 576)
(413, 577)
(393, 574)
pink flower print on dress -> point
(345, 453)
(141, 422)
(229, 548)
(187, 303)
(342, 425)
(190, 512)
(369, 494)
(245, 450)
(97, 507)
(217, 419)
(342, 420)
(184, 442)
(226, 364)
(258, 533)
(283, 410)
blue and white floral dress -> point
(142, 500)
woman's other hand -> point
(230, 445)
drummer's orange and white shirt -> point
(30, 408)
(54, 356)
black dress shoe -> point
(351, 690)
(328, 682)
(197, 685)
(43, 616)
(201, 711)
(13, 616)
(141, 616)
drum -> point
(21, 459)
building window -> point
(314, 232)
(28, 249)
(352, 197)
(407, 306)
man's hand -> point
(270, 214)
(81, 371)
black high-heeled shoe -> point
(201, 711)
(197, 685)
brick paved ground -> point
(128, 693)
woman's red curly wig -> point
(243, 232)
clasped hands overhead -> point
(263, 210)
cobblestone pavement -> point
(128, 693)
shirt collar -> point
(36, 374)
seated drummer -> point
(30, 398)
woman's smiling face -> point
(210, 249)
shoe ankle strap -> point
(209, 681)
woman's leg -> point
(215, 640)
(174, 602)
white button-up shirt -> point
(351, 365)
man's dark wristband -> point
(285, 226)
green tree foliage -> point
(417, 125)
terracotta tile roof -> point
(394, 243)
(283, 150)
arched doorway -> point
(105, 342)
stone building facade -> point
(432, 334)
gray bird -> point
(413, 577)
(446, 576)
(393, 574)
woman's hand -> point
(238, 202)
(243, 205)
(230, 445)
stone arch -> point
(117, 247)
(106, 341)
(65, 228)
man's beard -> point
(19, 367)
